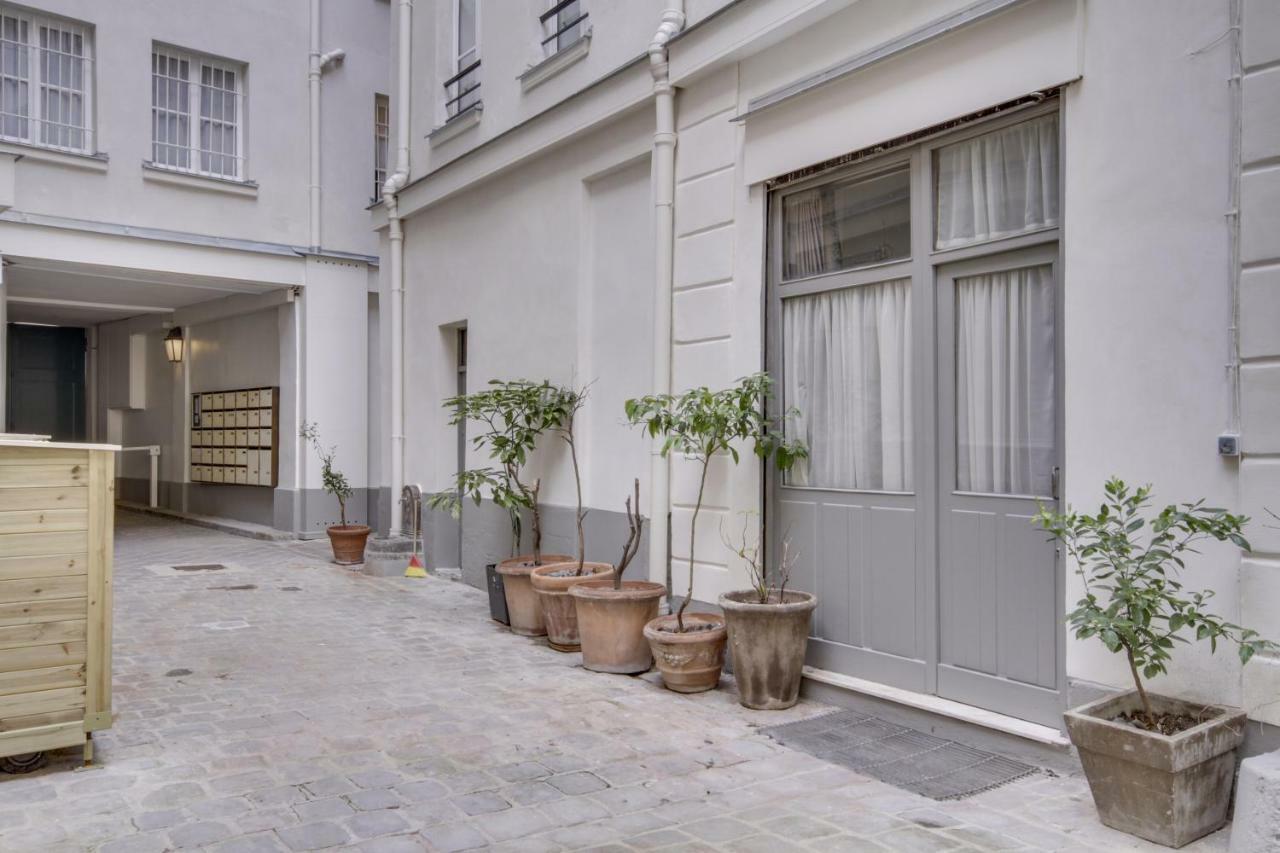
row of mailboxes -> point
(238, 419)
(243, 475)
(250, 398)
(232, 438)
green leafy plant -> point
(333, 480)
(1134, 603)
(513, 415)
(749, 549)
(702, 423)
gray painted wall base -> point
(486, 538)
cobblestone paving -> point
(288, 704)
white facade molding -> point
(88, 162)
(192, 180)
(457, 125)
(540, 73)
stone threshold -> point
(227, 525)
(943, 707)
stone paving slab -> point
(302, 706)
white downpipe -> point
(664, 190)
(317, 65)
(396, 182)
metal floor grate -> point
(926, 765)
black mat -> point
(923, 764)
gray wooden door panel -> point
(1015, 698)
(869, 664)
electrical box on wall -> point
(1228, 444)
(235, 437)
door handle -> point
(1055, 476)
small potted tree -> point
(552, 581)
(347, 540)
(1160, 768)
(700, 424)
(612, 613)
(513, 415)
(768, 625)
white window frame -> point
(381, 142)
(457, 105)
(197, 63)
(36, 117)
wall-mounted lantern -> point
(173, 345)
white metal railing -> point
(153, 450)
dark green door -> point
(46, 387)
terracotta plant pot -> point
(1170, 789)
(689, 662)
(348, 542)
(524, 609)
(768, 643)
(558, 612)
(611, 624)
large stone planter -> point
(1167, 789)
(552, 584)
(611, 624)
(690, 662)
(524, 608)
(768, 643)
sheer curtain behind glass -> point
(847, 368)
(1005, 382)
(999, 184)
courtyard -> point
(281, 702)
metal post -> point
(155, 476)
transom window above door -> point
(847, 224)
(197, 114)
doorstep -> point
(226, 525)
(947, 708)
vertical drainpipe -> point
(664, 189)
(318, 63)
(390, 190)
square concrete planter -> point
(1167, 789)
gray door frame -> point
(918, 670)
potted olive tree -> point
(768, 625)
(347, 540)
(700, 424)
(512, 416)
(612, 613)
(552, 581)
(1159, 767)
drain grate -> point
(930, 766)
(199, 567)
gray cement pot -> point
(768, 642)
(1167, 789)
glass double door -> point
(917, 336)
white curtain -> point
(1005, 382)
(808, 248)
(847, 368)
(999, 184)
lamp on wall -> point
(173, 345)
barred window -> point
(46, 73)
(197, 114)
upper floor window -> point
(381, 142)
(462, 90)
(197, 114)
(46, 76)
(563, 24)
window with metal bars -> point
(562, 25)
(197, 114)
(462, 90)
(381, 142)
(46, 74)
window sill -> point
(208, 183)
(536, 75)
(455, 126)
(89, 162)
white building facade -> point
(994, 251)
(207, 171)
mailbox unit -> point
(56, 515)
